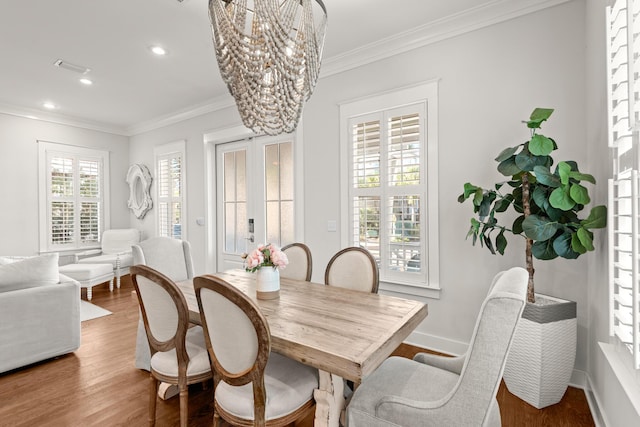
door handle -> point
(250, 238)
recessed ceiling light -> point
(49, 105)
(86, 81)
(158, 50)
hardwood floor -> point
(98, 385)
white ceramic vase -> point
(268, 283)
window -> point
(624, 123)
(73, 203)
(390, 164)
(170, 190)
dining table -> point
(345, 334)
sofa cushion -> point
(29, 272)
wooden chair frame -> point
(307, 251)
(374, 266)
(177, 342)
(255, 374)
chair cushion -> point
(126, 259)
(29, 273)
(166, 362)
(289, 385)
(403, 378)
(82, 272)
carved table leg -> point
(329, 400)
(167, 391)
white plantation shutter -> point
(72, 199)
(170, 190)
(387, 190)
(624, 209)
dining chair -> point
(171, 257)
(353, 268)
(300, 263)
(178, 353)
(252, 385)
(433, 390)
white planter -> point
(543, 352)
(267, 283)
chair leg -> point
(89, 293)
(153, 396)
(184, 405)
(216, 419)
(111, 285)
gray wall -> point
(19, 176)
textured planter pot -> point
(268, 283)
(543, 353)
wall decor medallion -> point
(139, 180)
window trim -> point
(162, 151)
(45, 147)
(426, 92)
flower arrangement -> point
(268, 255)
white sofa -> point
(39, 311)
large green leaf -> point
(586, 238)
(527, 161)
(579, 194)
(540, 145)
(562, 246)
(544, 176)
(501, 242)
(576, 245)
(506, 153)
(504, 203)
(469, 189)
(478, 195)
(597, 218)
(563, 171)
(543, 250)
(539, 228)
(508, 167)
(560, 199)
(540, 197)
(582, 176)
(517, 225)
(538, 116)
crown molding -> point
(210, 106)
(61, 119)
(434, 31)
(470, 20)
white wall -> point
(19, 175)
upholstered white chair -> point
(300, 263)
(178, 353)
(447, 391)
(251, 385)
(171, 257)
(353, 268)
(115, 250)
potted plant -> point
(266, 260)
(547, 205)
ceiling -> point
(133, 88)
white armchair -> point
(116, 250)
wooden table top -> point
(344, 332)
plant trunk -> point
(528, 255)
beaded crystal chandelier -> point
(269, 54)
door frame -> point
(223, 135)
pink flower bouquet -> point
(267, 255)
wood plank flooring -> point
(98, 385)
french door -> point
(254, 196)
